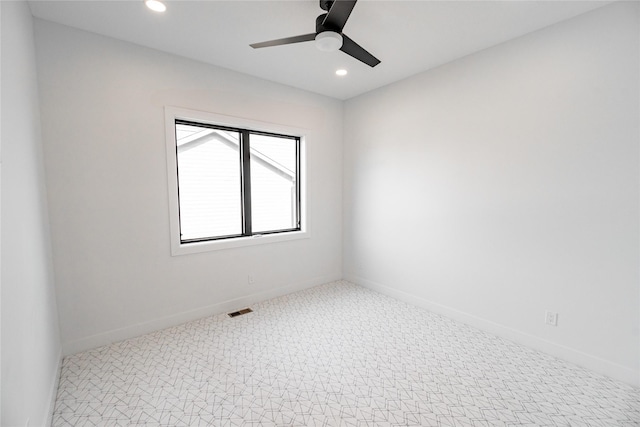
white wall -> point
(103, 126)
(31, 349)
(505, 184)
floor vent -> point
(240, 312)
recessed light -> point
(155, 5)
(341, 72)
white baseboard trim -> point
(585, 360)
(53, 393)
(115, 335)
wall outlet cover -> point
(551, 318)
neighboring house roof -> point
(230, 139)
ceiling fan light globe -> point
(328, 41)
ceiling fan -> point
(328, 35)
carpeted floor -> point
(334, 355)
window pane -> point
(273, 183)
(209, 182)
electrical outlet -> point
(551, 318)
(250, 279)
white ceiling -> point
(407, 36)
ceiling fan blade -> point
(286, 40)
(338, 14)
(354, 49)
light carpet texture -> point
(334, 355)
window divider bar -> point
(246, 183)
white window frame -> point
(178, 248)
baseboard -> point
(585, 360)
(54, 390)
(132, 331)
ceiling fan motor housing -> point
(322, 28)
(326, 4)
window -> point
(232, 183)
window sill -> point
(237, 242)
